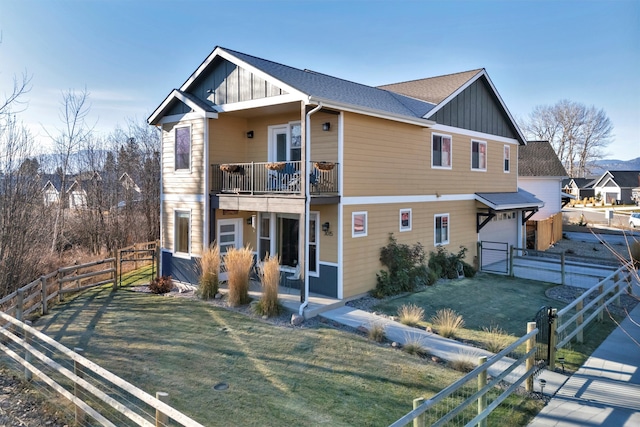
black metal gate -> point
(494, 257)
(544, 320)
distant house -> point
(82, 192)
(579, 187)
(540, 172)
(51, 190)
(616, 187)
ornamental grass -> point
(238, 263)
(270, 279)
(209, 266)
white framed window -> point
(182, 147)
(405, 219)
(313, 243)
(478, 155)
(441, 229)
(507, 159)
(358, 224)
(441, 151)
(182, 233)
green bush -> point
(161, 285)
(406, 269)
(447, 265)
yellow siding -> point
(228, 141)
(324, 144)
(328, 244)
(168, 218)
(383, 158)
(362, 254)
(183, 181)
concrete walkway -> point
(606, 389)
(436, 345)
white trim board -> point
(474, 134)
(381, 200)
(189, 198)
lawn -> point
(489, 300)
(276, 375)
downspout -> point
(307, 202)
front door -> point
(287, 242)
(229, 236)
(285, 143)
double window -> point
(478, 155)
(441, 229)
(183, 147)
(441, 151)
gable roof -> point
(538, 158)
(623, 179)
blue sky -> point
(129, 54)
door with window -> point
(229, 235)
(285, 143)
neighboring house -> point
(617, 186)
(50, 191)
(581, 188)
(540, 172)
(320, 170)
(84, 190)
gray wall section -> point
(180, 269)
(327, 283)
(178, 107)
(476, 108)
(225, 83)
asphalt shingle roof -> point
(626, 179)
(338, 90)
(507, 201)
(538, 158)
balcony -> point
(273, 178)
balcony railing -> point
(273, 178)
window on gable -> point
(441, 229)
(507, 158)
(182, 227)
(440, 151)
(183, 147)
(479, 155)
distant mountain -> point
(599, 167)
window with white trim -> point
(358, 224)
(405, 219)
(183, 147)
(507, 159)
(440, 151)
(478, 155)
(182, 233)
(441, 229)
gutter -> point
(307, 202)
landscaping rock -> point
(363, 329)
(297, 320)
(218, 296)
(429, 329)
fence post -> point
(43, 286)
(161, 419)
(27, 354)
(115, 269)
(579, 320)
(553, 326)
(531, 343)
(562, 268)
(482, 400)
(157, 253)
(512, 251)
(19, 304)
(420, 420)
(135, 256)
(479, 249)
(80, 415)
(601, 302)
(60, 276)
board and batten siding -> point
(168, 220)
(383, 157)
(361, 259)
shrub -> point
(410, 314)
(376, 332)
(496, 339)
(413, 346)
(447, 265)
(238, 263)
(406, 268)
(465, 361)
(209, 266)
(447, 322)
(161, 285)
(270, 279)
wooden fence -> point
(95, 393)
(547, 231)
(39, 294)
(474, 388)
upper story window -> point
(440, 151)
(479, 155)
(441, 229)
(183, 147)
(507, 159)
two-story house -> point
(320, 170)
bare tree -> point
(577, 133)
(74, 109)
